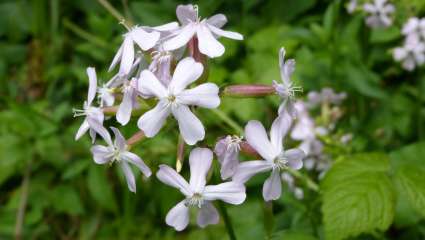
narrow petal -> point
(145, 40)
(200, 160)
(170, 177)
(187, 71)
(295, 158)
(166, 27)
(272, 188)
(99, 129)
(178, 216)
(129, 176)
(218, 20)
(149, 83)
(207, 215)
(120, 141)
(153, 120)
(116, 59)
(227, 34)
(181, 39)
(257, 137)
(204, 95)
(82, 130)
(124, 110)
(127, 57)
(246, 170)
(186, 14)
(229, 192)
(229, 164)
(91, 72)
(190, 126)
(208, 45)
(279, 129)
(137, 161)
(101, 154)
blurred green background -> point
(46, 45)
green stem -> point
(227, 221)
(310, 183)
(228, 121)
(114, 12)
(84, 34)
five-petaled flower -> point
(206, 31)
(117, 151)
(380, 13)
(286, 89)
(176, 99)
(227, 151)
(196, 193)
(275, 158)
(94, 115)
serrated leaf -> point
(412, 185)
(357, 196)
(100, 188)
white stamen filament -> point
(196, 200)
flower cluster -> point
(379, 12)
(168, 78)
(412, 53)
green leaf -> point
(100, 188)
(412, 184)
(357, 196)
(291, 235)
(383, 35)
(65, 199)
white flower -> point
(206, 31)
(412, 54)
(175, 99)
(106, 96)
(289, 179)
(117, 151)
(161, 66)
(145, 40)
(196, 193)
(227, 150)
(351, 6)
(414, 26)
(286, 89)
(94, 115)
(275, 157)
(129, 101)
(326, 95)
(380, 13)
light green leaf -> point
(357, 196)
(412, 184)
(291, 235)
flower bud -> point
(249, 90)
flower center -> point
(171, 98)
(196, 200)
(280, 162)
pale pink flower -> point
(227, 150)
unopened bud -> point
(249, 90)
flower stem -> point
(227, 221)
(114, 12)
(228, 120)
(137, 137)
(310, 183)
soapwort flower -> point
(94, 115)
(175, 99)
(411, 54)
(206, 31)
(129, 101)
(227, 150)
(275, 158)
(286, 89)
(117, 151)
(380, 13)
(197, 194)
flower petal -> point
(187, 71)
(248, 169)
(170, 177)
(257, 137)
(145, 40)
(166, 27)
(99, 129)
(204, 95)
(295, 158)
(218, 20)
(101, 154)
(208, 45)
(190, 126)
(153, 120)
(279, 129)
(207, 215)
(200, 160)
(126, 106)
(181, 39)
(91, 72)
(223, 33)
(178, 216)
(82, 130)
(186, 14)
(272, 188)
(129, 176)
(149, 83)
(229, 192)
(127, 57)
(120, 141)
(116, 59)
(229, 164)
(137, 161)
